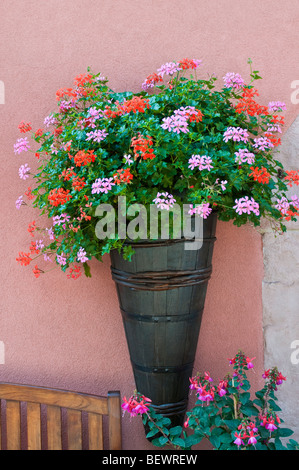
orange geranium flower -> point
(59, 196)
(24, 258)
(128, 106)
(24, 127)
(67, 174)
(83, 157)
(141, 146)
(123, 176)
(249, 105)
(292, 178)
(78, 183)
(260, 174)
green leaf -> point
(279, 445)
(284, 432)
(225, 438)
(249, 410)
(152, 433)
(86, 270)
(176, 431)
(244, 397)
(232, 423)
(177, 441)
(163, 440)
(215, 441)
(193, 439)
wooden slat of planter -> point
(13, 425)
(34, 426)
(54, 428)
(95, 432)
(74, 425)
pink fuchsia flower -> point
(97, 135)
(22, 145)
(165, 202)
(102, 185)
(19, 202)
(251, 427)
(205, 395)
(244, 156)
(222, 386)
(237, 134)
(193, 383)
(24, 171)
(277, 106)
(186, 423)
(136, 405)
(208, 377)
(221, 392)
(270, 425)
(81, 255)
(249, 362)
(233, 80)
(203, 210)
(262, 143)
(252, 438)
(269, 422)
(280, 378)
(239, 439)
(246, 205)
(202, 162)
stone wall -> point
(281, 295)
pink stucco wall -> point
(68, 334)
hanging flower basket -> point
(162, 294)
(185, 144)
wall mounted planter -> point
(161, 294)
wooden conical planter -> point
(161, 295)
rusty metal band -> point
(162, 280)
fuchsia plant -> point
(225, 413)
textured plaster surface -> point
(281, 295)
(65, 334)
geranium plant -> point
(224, 414)
(182, 140)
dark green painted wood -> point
(161, 294)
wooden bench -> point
(57, 419)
